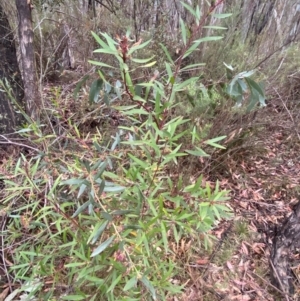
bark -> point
(25, 32)
(286, 242)
(11, 91)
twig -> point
(274, 287)
(289, 113)
(8, 141)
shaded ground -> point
(264, 177)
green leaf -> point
(100, 227)
(141, 163)
(99, 41)
(115, 189)
(209, 142)
(198, 152)
(215, 27)
(101, 64)
(81, 190)
(198, 14)
(102, 186)
(114, 283)
(257, 94)
(207, 39)
(221, 16)
(134, 48)
(103, 246)
(246, 73)
(130, 284)
(242, 84)
(79, 85)
(167, 53)
(108, 51)
(123, 212)
(164, 237)
(81, 208)
(106, 216)
(128, 80)
(95, 90)
(255, 86)
(73, 182)
(169, 71)
(74, 297)
(189, 8)
(142, 61)
(216, 139)
(197, 43)
(183, 31)
(132, 227)
(75, 264)
(149, 286)
(111, 43)
(101, 170)
(179, 87)
(192, 66)
(148, 65)
(191, 49)
(135, 112)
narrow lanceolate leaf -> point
(148, 65)
(74, 297)
(138, 161)
(212, 142)
(130, 284)
(103, 246)
(207, 39)
(81, 190)
(189, 8)
(164, 237)
(192, 66)
(215, 27)
(216, 139)
(111, 43)
(198, 152)
(98, 232)
(182, 85)
(167, 53)
(114, 189)
(221, 16)
(81, 208)
(198, 14)
(169, 71)
(142, 61)
(140, 46)
(99, 41)
(95, 90)
(191, 49)
(73, 182)
(101, 64)
(197, 43)
(149, 286)
(183, 31)
(108, 51)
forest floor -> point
(265, 186)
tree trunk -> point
(11, 91)
(32, 99)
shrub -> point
(99, 219)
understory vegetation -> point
(120, 191)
